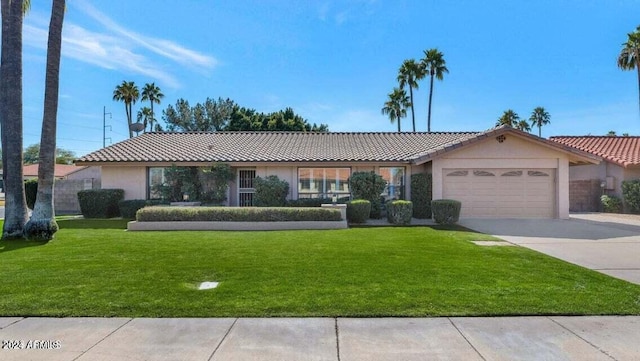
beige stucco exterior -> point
(601, 172)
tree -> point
(408, 75)
(434, 65)
(629, 58)
(523, 125)
(11, 117)
(127, 92)
(396, 106)
(145, 116)
(153, 94)
(42, 224)
(509, 118)
(31, 155)
(538, 118)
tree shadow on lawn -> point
(18, 244)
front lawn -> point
(95, 268)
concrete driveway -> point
(602, 242)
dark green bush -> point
(236, 214)
(30, 192)
(446, 211)
(611, 204)
(631, 195)
(358, 211)
(129, 207)
(270, 192)
(369, 186)
(100, 203)
(399, 212)
(421, 195)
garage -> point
(508, 193)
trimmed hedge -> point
(358, 211)
(236, 214)
(308, 202)
(129, 207)
(369, 186)
(446, 211)
(270, 192)
(100, 203)
(31, 191)
(631, 195)
(399, 212)
(421, 195)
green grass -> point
(95, 268)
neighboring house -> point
(621, 157)
(70, 179)
(501, 172)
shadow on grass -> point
(17, 244)
(81, 223)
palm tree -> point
(409, 74)
(523, 125)
(629, 58)
(145, 117)
(396, 106)
(434, 65)
(509, 118)
(153, 94)
(42, 224)
(128, 93)
(11, 116)
(538, 118)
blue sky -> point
(334, 62)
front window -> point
(323, 182)
(394, 176)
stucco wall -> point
(132, 179)
(86, 173)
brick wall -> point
(584, 195)
(65, 194)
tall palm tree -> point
(434, 65)
(128, 93)
(11, 117)
(408, 75)
(538, 118)
(153, 94)
(145, 117)
(396, 106)
(42, 224)
(629, 58)
(523, 125)
(509, 118)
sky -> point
(335, 61)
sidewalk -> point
(343, 339)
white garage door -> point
(497, 193)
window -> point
(156, 178)
(323, 182)
(394, 176)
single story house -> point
(63, 171)
(501, 172)
(621, 162)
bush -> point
(128, 208)
(30, 192)
(100, 203)
(236, 214)
(446, 211)
(369, 186)
(611, 204)
(220, 174)
(399, 212)
(421, 195)
(270, 192)
(308, 202)
(180, 181)
(358, 211)
(631, 195)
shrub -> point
(421, 195)
(631, 195)
(100, 203)
(399, 212)
(180, 181)
(358, 211)
(446, 211)
(270, 192)
(30, 192)
(220, 174)
(308, 202)
(611, 204)
(369, 186)
(236, 214)
(128, 208)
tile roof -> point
(624, 151)
(273, 147)
(60, 170)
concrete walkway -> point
(607, 243)
(343, 339)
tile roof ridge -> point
(596, 136)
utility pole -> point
(104, 126)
